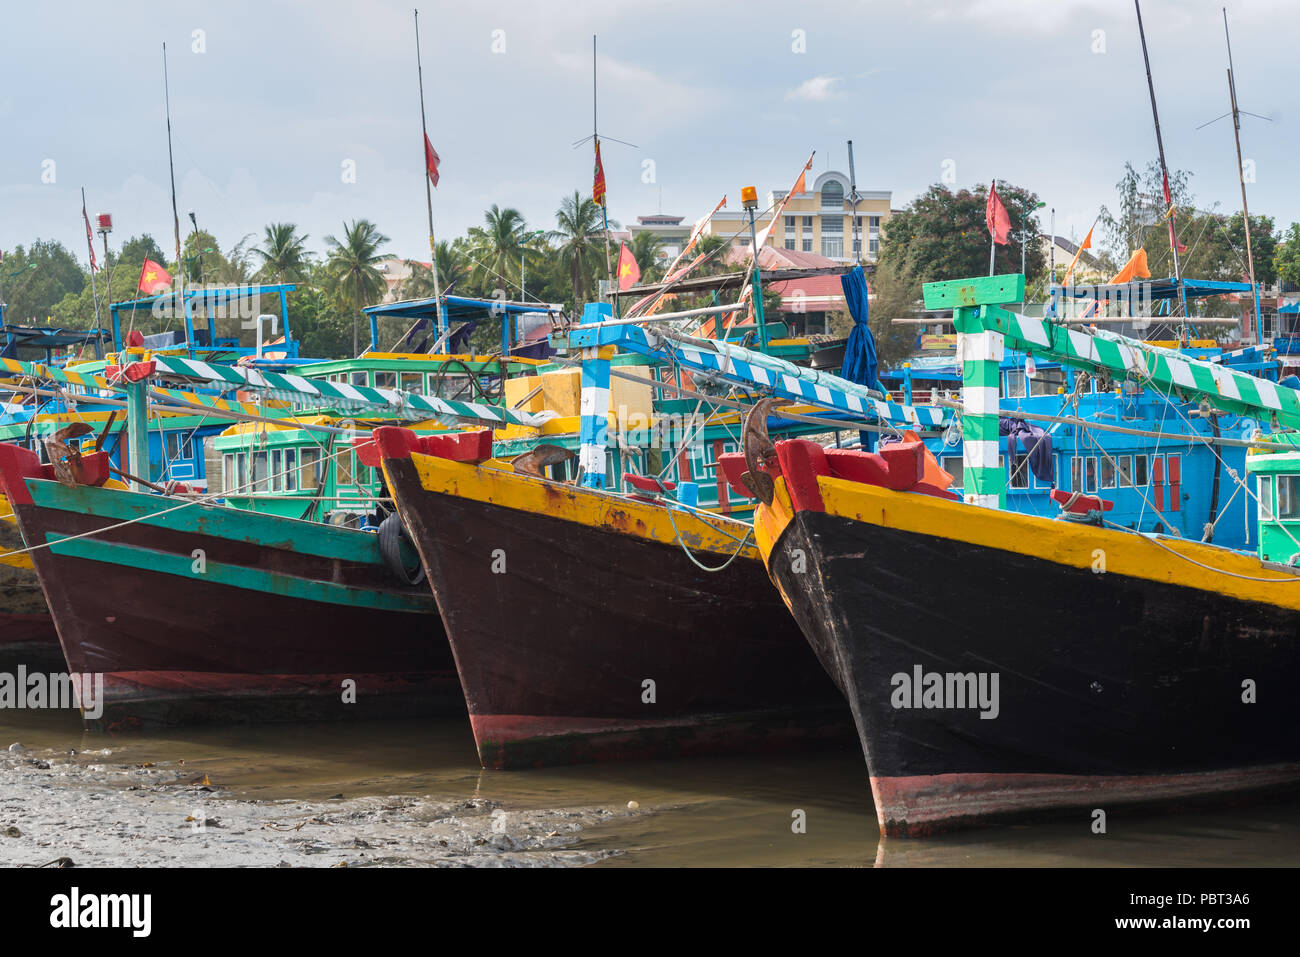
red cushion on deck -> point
(17, 464)
(801, 462)
(732, 465)
(856, 466)
(648, 483)
(387, 442)
(906, 461)
(1083, 504)
(459, 446)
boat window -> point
(1050, 483)
(343, 471)
(1047, 382)
(228, 479)
(1015, 383)
(241, 473)
(258, 475)
(360, 472)
(412, 382)
(1019, 472)
(952, 464)
(307, 479)
(1125, 471)
(386, 380)
(290, 474)
(1090, 475)
(179, 446)
(1107, 472)
(1265, 497)
(1287, 487)
(359, 378)
(1076, 474)
(277, 467)
(1140, 471)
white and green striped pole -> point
(973, 302)
(983, 478)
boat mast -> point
(595, 138)
(176, 217)
(1241, 176)
(428, 186)
(1164, 169)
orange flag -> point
(629, 273)
(598, 181)
(1086, 244)
(153, 277)
(1135, 268)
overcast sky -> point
(1048, 94)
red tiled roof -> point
(776, 257)
(811, 287)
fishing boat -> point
(664, 638)
(1001, 665)
(1162, 463)
(262, 565)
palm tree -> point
(497, 244)
(283, 253)
(352, 269)
(580, 234)
(714, 247)
(647, 249)
(451, 270)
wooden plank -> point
(980, 291)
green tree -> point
(647, 250)
(943, 235)
(1286, 260)
(580, 233)
(496, 247)
(356, 282)
(34, 279)
(283, 254)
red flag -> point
(153, 277)
(431, 160)
(995, 215)
(90, 239)
(598, 184)
(629, 273)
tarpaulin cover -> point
(860, 352)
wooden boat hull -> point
(1127, 674)
(563, 605)
(201, 612)
(27, 634)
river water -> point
(411, 793)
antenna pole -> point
(176, 216)
(428, 187)
(1241, 176)
(609, 269)
(1164, 168)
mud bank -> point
(82, 807)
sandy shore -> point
(86, 808)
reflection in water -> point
(711, 811)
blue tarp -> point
(860, 351)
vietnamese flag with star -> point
(629, 273)
(153, 277)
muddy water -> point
(411, 793)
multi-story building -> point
(820, 221)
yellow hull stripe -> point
(1171, 561)
(588, 507)
(24, 560)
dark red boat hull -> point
(554, 653)
(242, 641)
